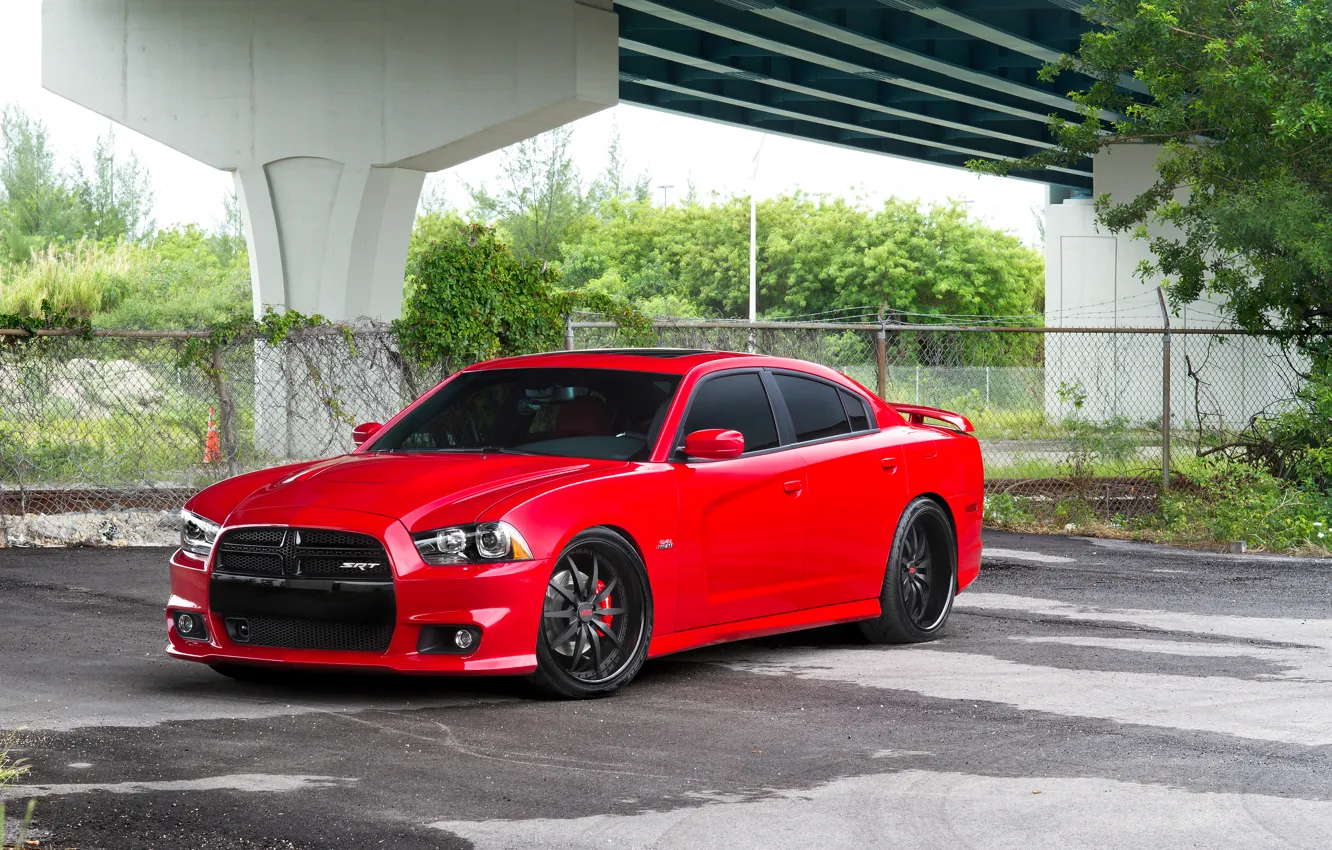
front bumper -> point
(502, 601)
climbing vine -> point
(48, 319)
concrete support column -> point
(330, 112)
(326, 237)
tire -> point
(583, 654)
(920, 582)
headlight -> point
(197, 535)
(470, 544)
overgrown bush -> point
(468, 298)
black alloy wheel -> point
(920, 582)
(596, 618)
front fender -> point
(639, 501)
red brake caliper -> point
(605, 603)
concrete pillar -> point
(330, 112)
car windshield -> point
(591, 413)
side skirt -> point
(791, 621)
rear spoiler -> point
(917, 415)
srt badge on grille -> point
(356, 565)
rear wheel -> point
(596, 618)
(921, 579)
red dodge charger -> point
(566, 516)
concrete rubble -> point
(101, 528)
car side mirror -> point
(365, 431)
(714, 444)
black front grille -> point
(249, 563)
(323, 538)
(341, 568)
(284, 633)
(290, 588)
(305, 552)
(261, 536)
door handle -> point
(793, 486)
(889, 464)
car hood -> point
(407, 486)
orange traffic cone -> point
(212, 449)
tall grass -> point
(11, 771)
(88, 278)
(178, 280)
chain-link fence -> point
(1058, 411)
(144, 419)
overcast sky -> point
(672, 149)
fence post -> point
(917, 383)
(1165, 392)
(881, 361)
(987, 387)
(568, 333)
(226, 424)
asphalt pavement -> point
(1087, 694)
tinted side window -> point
(738, 403)
(856, 411)
(815, 409)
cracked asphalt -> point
(1088, 693)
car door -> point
(743, 520)
(857, 487)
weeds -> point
(11, 771)
(1213, 502)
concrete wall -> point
(1092, 280)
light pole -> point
(753, 233)
(753, 243)
(663, 193)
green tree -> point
(1240, 97)
(614, 186)
(37, 205)
(227, 242)
(540, 200)
(815, 255)
(115, 198)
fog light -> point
(189, 625)
(463, 639)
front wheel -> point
(596, 619)
(921, 579)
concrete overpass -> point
(331, 112)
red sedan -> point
(567, 516)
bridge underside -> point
(938, 81)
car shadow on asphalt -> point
(376, 687)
